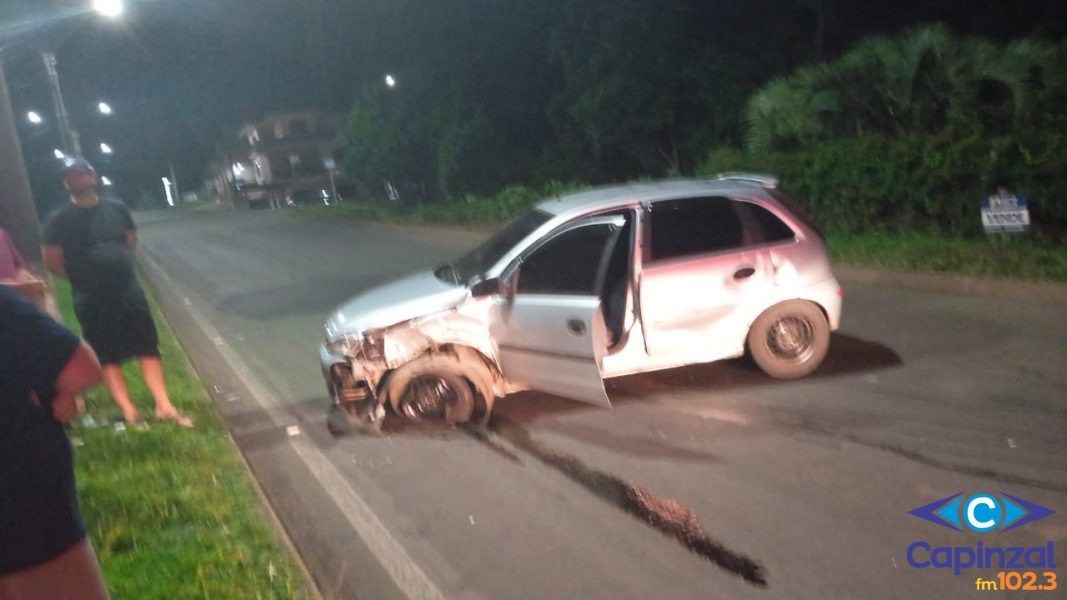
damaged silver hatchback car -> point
(598, 284)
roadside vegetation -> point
(172, 512)
(890, 146)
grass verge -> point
(996, 256)
(173, 513)
(1008, 257)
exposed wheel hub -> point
(791, 338)
(427, 397)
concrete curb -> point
(949, 283)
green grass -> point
(1018, 257)
(173, 513)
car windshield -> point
(477, 261)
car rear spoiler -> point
(761, 179)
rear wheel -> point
(432, 388)
(789, 340)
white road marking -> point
(403, 570)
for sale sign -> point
(1005, 212)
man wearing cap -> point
(90, 242)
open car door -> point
(550, 330)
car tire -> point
(432, 388)
(789, 340)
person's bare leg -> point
(152, 370)
(116, 384)
(73, 575)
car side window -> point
(566, 264)
(693, 226)
(764, 227)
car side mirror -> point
(488, 287)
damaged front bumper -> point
(353, 388)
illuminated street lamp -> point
(106, 149)
(105, 108)
(59, 154)
(34, 118)
(390, 81)
(105, 180)
(109, 8)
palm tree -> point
(923, 81)
(791, 110)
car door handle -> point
(744, 273)
(576, 327)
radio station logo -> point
(985, 513)
(981, 512)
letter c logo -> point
(982, 512)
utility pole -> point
(17, 213)
(174, 182)
(71, 143)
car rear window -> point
(796, 210)
(693, 226)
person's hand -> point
(30, 287)
(65, 407)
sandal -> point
(135, 423)
(177, 418)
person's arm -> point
(131, 227)
(54, 260)
(81, 373)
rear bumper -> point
(829, 296)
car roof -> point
(623, 195)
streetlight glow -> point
(105, 108)
(105, 180)
(34, 118)
(59, 154)
(105, 148)
(390, 81)
(109, 8)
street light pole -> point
(18, 216)
(71, 143)
(174, 182)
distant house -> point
(284, 157)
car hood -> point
(413, 296)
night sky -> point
(182, 75)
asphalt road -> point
(784, 489)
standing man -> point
(90, 242)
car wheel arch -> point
(480, 371)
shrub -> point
(915, 181)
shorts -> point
(118, 328)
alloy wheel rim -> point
(792, 338)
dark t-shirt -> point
(99, 263)
(39, 516)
